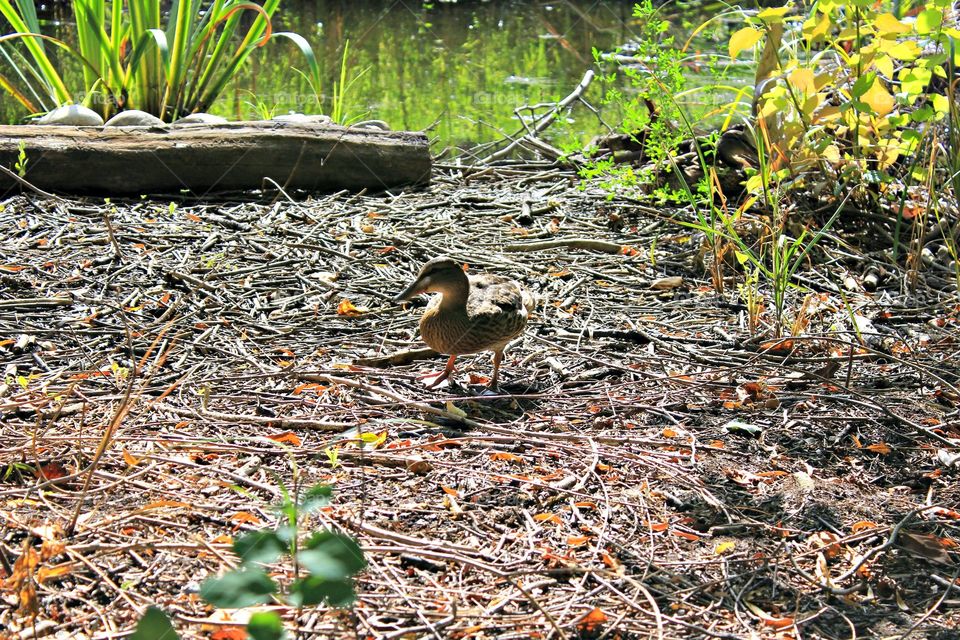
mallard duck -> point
(473, 313)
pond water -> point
(459, 69)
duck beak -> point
(417, 287)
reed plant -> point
(135, 56)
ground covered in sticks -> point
(649, 468)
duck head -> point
(440, 275)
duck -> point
(471, 314)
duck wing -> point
(496, 295)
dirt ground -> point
(648, 469)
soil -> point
(649, 467)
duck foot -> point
(444, 375)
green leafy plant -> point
(323, 566)
(134, 58)
(20, 166)
(847, 107)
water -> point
(460, 69)
(457, 69)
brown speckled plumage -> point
(472, 313)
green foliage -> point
(21, 164)
(657, 73)
(849, 91)
(324, 564)
(154, 625)
(848, 105)
(131, 59)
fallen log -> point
(201, 158)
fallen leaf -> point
(347, 308)
(287, 437)
(547, 517)
(56, 572)
(244, 517)
(592, 620)
(926, 546)
(52, 471)
(669, 282)
(880, 447)
(724, 547)
(509, 457)
(685, 535)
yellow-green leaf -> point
(884, 64)
(906, 50)
(814, 29)
(878, 98)
(929, 21)
(831, 154)
(887, 24)
(724, 547)
(745, 38)
(773, 14)
(940, 103)
(803, 80)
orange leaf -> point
(880, 447)
(347, 308)
(52, 471)
(657, 527)
(160, 504)
(685, 535)
(548, 517)
(52, 573)
(509, 457)
(577, 541)
(287, 437)
(777, 346)
(243, 517)
(863, 525)
(586, 504)
(450, 491)
(592, 620)
(230, 633)
(130, 459)
(669, 433)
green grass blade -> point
(35, 47)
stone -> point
(134, 118)
(72, 115)
(200, 118)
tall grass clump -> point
(135, 56)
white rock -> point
(134, 118)
(291, 117)
(200, 118)
(73, 115)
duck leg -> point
(497, 359)
(445, 374)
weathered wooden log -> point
(202, 158)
